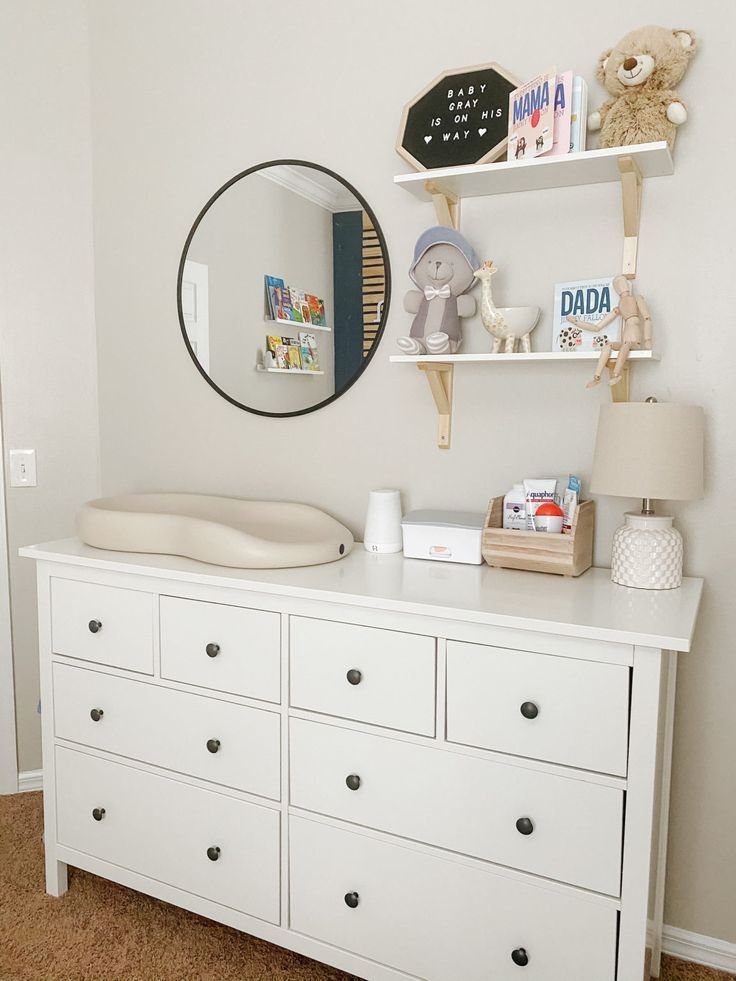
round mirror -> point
(283, 288)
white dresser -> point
(400, 768)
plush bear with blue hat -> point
(443, 269)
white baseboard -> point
(688, 946)
(694, 947)
(30, 780)
(701, 950)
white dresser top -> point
(591, 606)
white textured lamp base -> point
(647, 553)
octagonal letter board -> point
(459, 118)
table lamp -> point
(649, 450)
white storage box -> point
(445, 536)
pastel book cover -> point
(563, 114)
(304, 306)
(287, 343)
(308, 345)
(296, 309)
(579, 114)
(532, 117)
(281, 356)
(589, 300)
(295, 355)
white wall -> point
(189, 92)
(47, 340)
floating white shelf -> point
(439, 370)
(288, 371)
(588, 167)
(519, 357)
(296, 324)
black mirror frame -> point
(386, 299)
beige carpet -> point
(99, 930)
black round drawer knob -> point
(529, 710)
(213, 853)
(96, 715)
(352, 899)
(212, 650)
(353, 781)
(524, 826)
(354, 676)
(213, 745)
(98, 813)
(520, 957)
(95, 626)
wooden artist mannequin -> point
(636, 330)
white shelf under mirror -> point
(296, 325)
(288, 371)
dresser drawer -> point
(438, 919)
(538, 705)
(164, 829)
(225, 648)
(462, 803)
(170, 729)
(104, 624)
(377, 676)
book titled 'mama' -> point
(532, 117)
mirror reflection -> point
(284, 288)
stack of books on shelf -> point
(292, 353)
(286, 304)
(548, 116)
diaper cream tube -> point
(535, 492)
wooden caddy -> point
(536, 551)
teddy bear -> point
(640, 73)
(443, 269)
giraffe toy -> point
(506, 325)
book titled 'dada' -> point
(588, 300)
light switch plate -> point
(22, 468)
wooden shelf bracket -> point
(446, 205)
(440, 378)
(620, 391)
(631, 200)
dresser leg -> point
(56, 876)
(664, 813)
(646, 697)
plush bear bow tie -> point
(443, 292)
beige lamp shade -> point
(649, 450)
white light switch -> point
(22, 468)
